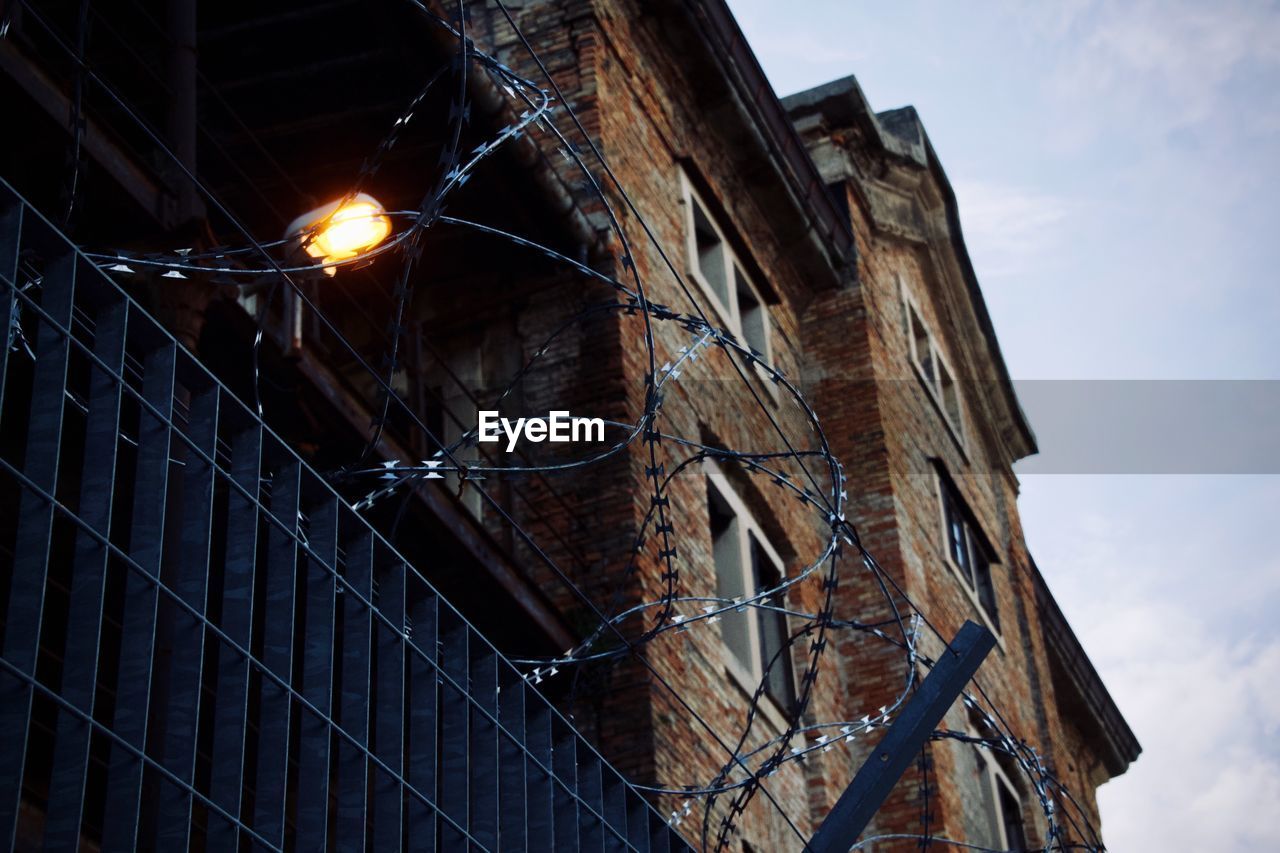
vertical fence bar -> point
(638, 813)
(613, 791)
(10, 239)
(317, 675)
(541, 785)
(388, 702)
(138, 625)
(88, 581)
(277, 654)
(512, 828)
(11, 215)
(35, 527)
(8, 327)
(190, 584)
(357, 625)
(422, 749)
(483, 764)
(226, 777)
(590, 831)
(455, 717)
(564, 765)
(661, 835)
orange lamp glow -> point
(342, 230)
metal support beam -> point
(936, 694)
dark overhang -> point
(1073, 670)
(803, 213)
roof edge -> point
(900, 135)
(730, 50)
(1122, 744)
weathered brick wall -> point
(651, 121)
(644, 114)
(634, 92)
(892, 435)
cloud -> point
(1165, 63)
(1205, 705)
(1008, 229)
(1115, 166)
(787, 41)
(1170, 586)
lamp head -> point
(341, 229)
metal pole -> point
(882, 769)
(182, 104)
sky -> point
(1117, 167)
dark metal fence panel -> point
(185, 626)
(231, 670)
(422, 747)
(88, 581)
(35, 516)
(205, 647)
(353, 708)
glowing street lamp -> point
(342, 229)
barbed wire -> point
(675, 612)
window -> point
(718, 272)
(921, 345)
(752, 316)
(1015, 837)
(1002, 807)
(709, 253)
(950, 396)
(745, 565)
(967, 551)
(932, 366)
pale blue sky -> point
(1119, 182)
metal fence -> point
(205, 647)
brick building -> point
(923, 375)
(821, 234)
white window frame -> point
(966, 582)
(748, 676)
(735, 277)
(995, 777)
(937, 366)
